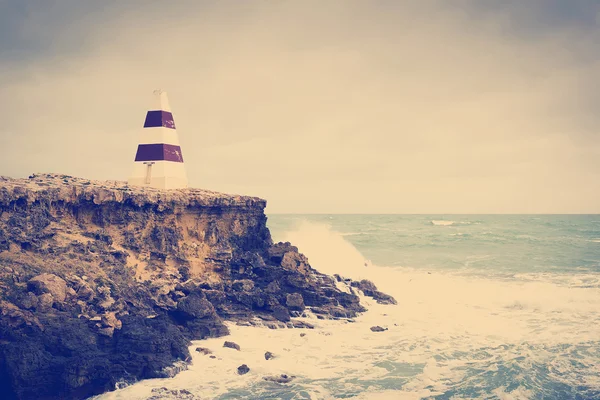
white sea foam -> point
(442, 222)
(445, 327)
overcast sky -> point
(449, 106)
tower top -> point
(161, 101)
(158, 161)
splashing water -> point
(476, 331)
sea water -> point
(489, 307)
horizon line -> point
(368, 213)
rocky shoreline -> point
(102, 283)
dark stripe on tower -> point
(159, 118)
(159, 152)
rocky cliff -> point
(102, 283)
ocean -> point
(489, 307)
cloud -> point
(343, 106)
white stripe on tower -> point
(159, 160)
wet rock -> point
(243, 369)
(171, 371)
(369, 289)
(302, 324)
(164, 393)
(203, 350)
(281, 313)
(48, 283)
(269, 355)
(279, 378)
(231, 345)
(378, 329)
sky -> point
(338, 106)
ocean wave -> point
(442, 222)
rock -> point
(273, 287)
(171, 394)
(107, 331)
(269, 355)
(110, 320)
(281, 313)
(243, 285)
(231, 345)
(279, 379)
(85, 293)
(243, 369)
(29, 301)
(378, 329)
(49, 283)
(213, 356)
(194, 306)
(45, 301)
(203, 350)
(171, 371)
(302, 334)
(294, 301)
(369, 289)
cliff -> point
(102, 283)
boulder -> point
(194, 306)
(269, 355)
(231, 345)
(281, 313)
(48, 283)
(203, 350)
(294, 301)
(378, 329)
(243, 369)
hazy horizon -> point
(383, 107)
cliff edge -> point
(102, 283)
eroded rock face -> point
(103, 283)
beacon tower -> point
(158, 160)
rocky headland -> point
(103, 284)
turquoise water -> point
(489, 244)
